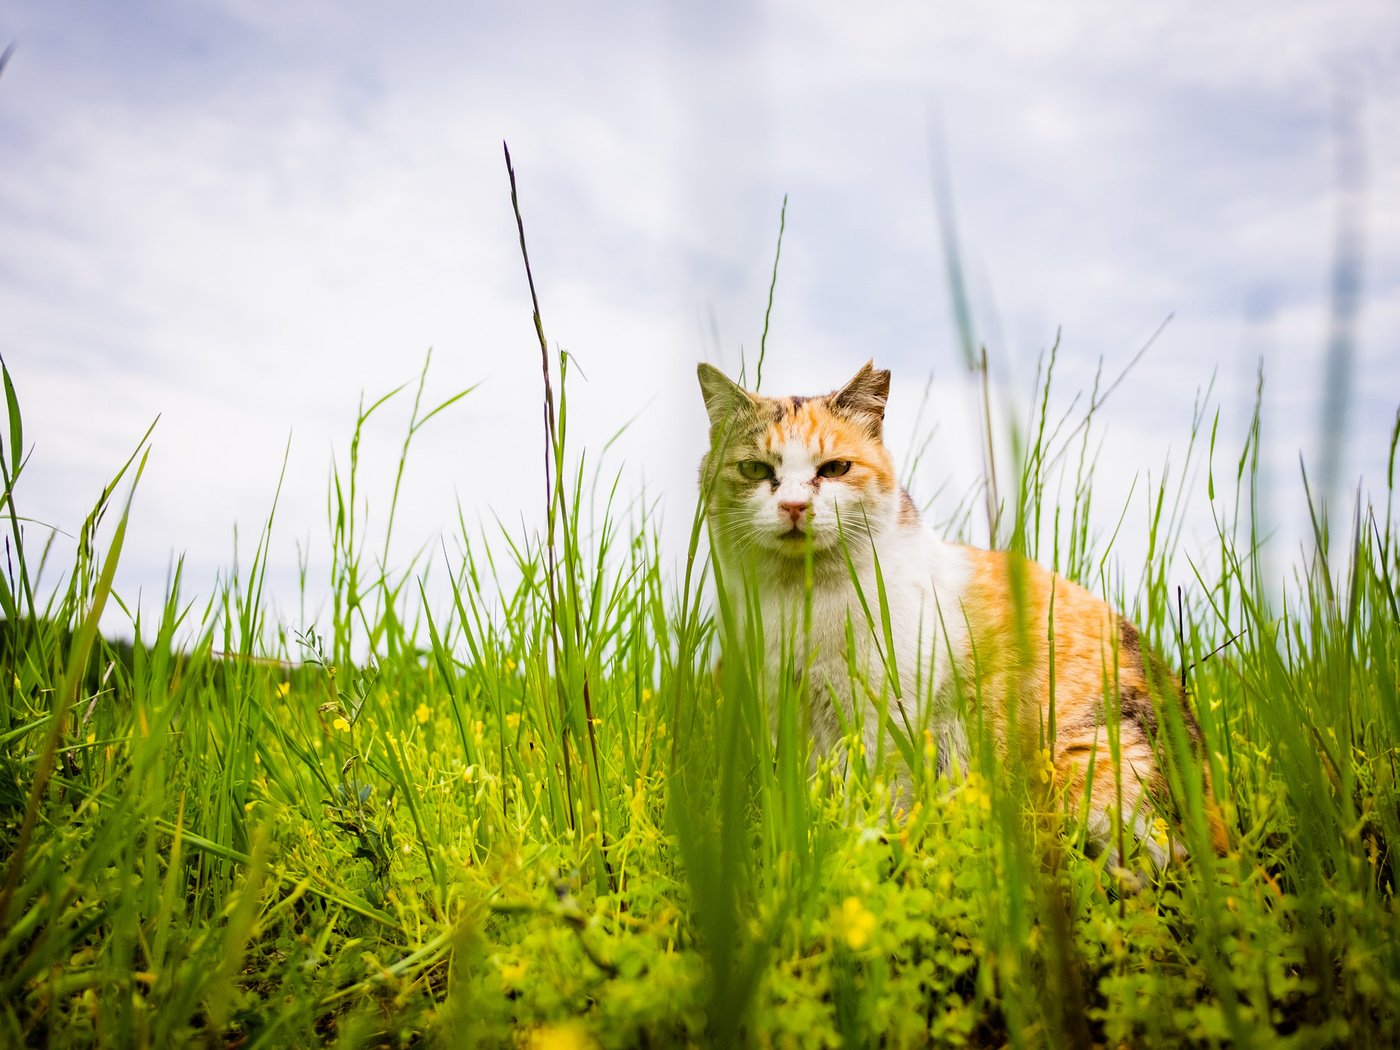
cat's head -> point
(781, 469)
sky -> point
(241, 218)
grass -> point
(536, 814)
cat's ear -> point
(725, 400)
(862, 400)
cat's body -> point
(980, 640)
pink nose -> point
(795, 509)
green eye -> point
(755, 470)
(834, 468)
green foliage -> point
(537, 815)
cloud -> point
(241, 216)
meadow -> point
(535, 814)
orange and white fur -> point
(969, 627)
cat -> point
(967, 630)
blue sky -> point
(239, 215)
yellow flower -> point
(513, 720)
(854, 923)
(283, 688)
(510, 665)
(646, 694)
(1159, 832)
(342, 725)
(423, 713)
(571, 1035)
(1046, 766)
(974, 789)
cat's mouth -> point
(793, 533)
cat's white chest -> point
(863, 657)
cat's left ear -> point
(862, 400)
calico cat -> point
(973, 637)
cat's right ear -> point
(863, 398)
(725, 400)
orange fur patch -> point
(1049, 659)
(811, 422)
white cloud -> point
(242, 215)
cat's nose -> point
(795, 509)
